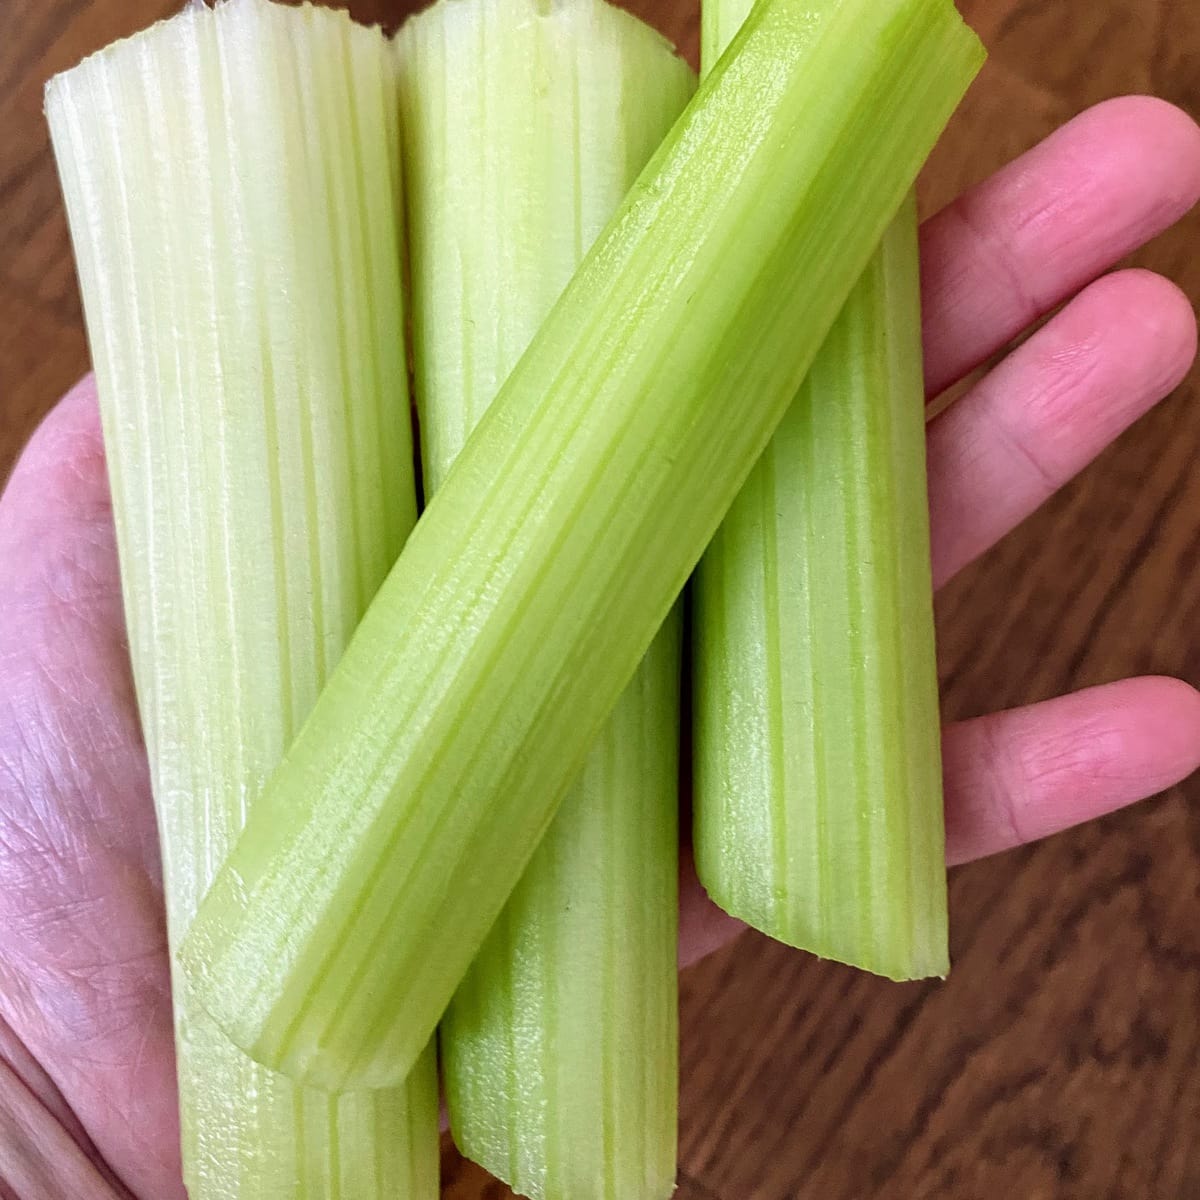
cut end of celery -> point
(119, 55)
(930, 962)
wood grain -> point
(1062, 1058)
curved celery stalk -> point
(384, 848)
(231, 178)
(817, 784)
(524, 127)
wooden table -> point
(1062, 1059)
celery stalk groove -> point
(232, 183)
(468, 699)
(523, 130)
(817, 785)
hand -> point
(84, 987)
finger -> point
(84, 978)
(1012, 249)
(1018, 776)
(703, 927)
(1051, 407)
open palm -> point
(85, 1026)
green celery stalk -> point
(524, 128)
(232, 183)
(817, 772)
(560, 1048)
(465, 706)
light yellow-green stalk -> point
(525, 125)
(232, 179)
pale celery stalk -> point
(466, 704)
(817, 752)
(560, 1048)
(232, 182)
(524, 126)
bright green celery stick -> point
(525, 125)
(817, 781)
(332, 940)
(232, 181)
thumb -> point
(84, 970)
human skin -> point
(87, 1091)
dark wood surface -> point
(1062, 1058)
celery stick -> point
(817, 782)
(468, 699)
(560, 1048)
(524, 128)
(231, 179)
